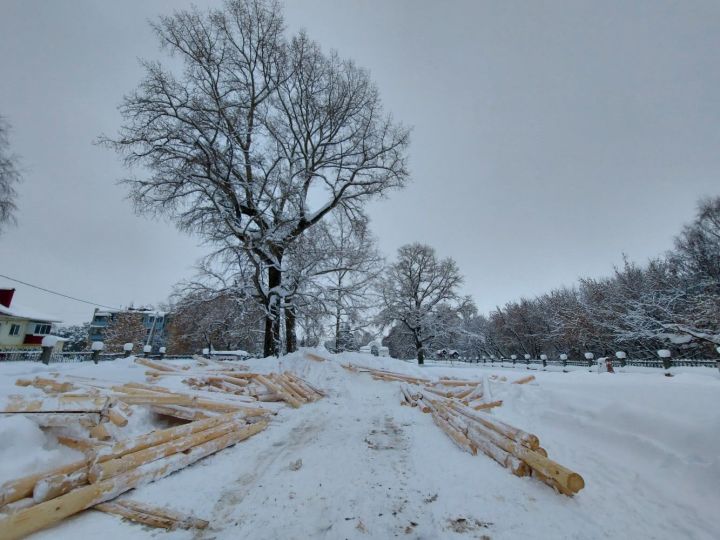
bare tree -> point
(9, 177)
(415, 289)
(255, 128)
(350, 269)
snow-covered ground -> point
(648, 447)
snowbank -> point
(647, 445)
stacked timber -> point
(220, 405)
(37, 501)
(459, 407)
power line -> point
(57, 293)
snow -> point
(50, 341)
(25, 449)
(647, 445)
(22, 312)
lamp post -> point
(563, 358)
(589, 357)
(206, 352)
(128, 347)
(527, 361)
(664, 355)
(717, 362)
(96, 347)
(147, 349)
(162, 350)
(513, 357)
(620, 355)
(543, 357)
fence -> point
(538, 364)
(33, 355)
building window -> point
(42, 329)
(14, 329)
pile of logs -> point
(223, 404)
(458, 407)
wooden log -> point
(78, 443)
(193, 402)
(158, 365)
(54, 486)
(457, 436)
(456, 382)
(183, 413)
(24, 487)
(40, 516)
(524, 380)
(52, 386)
(276, 389)
(63, 419)
(161, 436)
(569, 481)
(513, 433)
(61, 403)
(14, 490)
(183, 521)
(304, 392)
(278, 379)
(114, 413)
(136, 516)
(315, 357)
(114, 467)
(305, 384)
(100, 432)
(485, 406)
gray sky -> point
(548, 137)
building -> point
(155, 323)
(22, 328)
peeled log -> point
(276, 389)
(183, 521)
(513, 433)
(114, 467)
(160, 366)
(15, 490)
(136, 516)
(40, 516)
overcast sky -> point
(548, 137)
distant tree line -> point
(672, 302)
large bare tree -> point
(418, 290)
(257, 139)
(9, 177)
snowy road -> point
(648, 448)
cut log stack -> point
(460, 409)
(211, 422)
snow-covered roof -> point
(21, 312)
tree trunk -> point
(420, 351)
(272, 314)
(290, 335)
